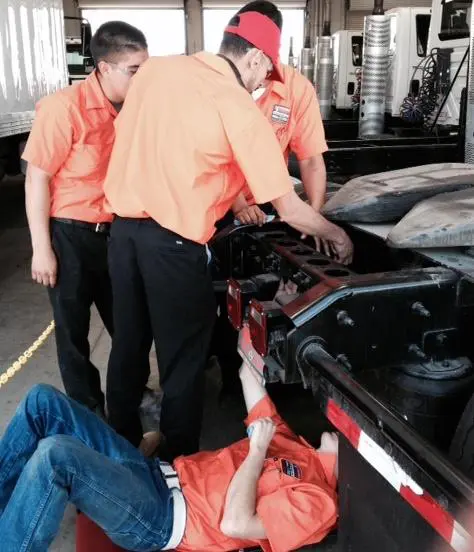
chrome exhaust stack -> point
(325, 65)
(375, 64)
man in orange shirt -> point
(272, 489)
(68, 151)
(188, 130)
(292, 108)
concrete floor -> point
(24, 314)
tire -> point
(461, 451)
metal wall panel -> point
(132, 4)
(355, 20)
(367, 5)
(137, 4)
(236, 4)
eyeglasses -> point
(127, 71)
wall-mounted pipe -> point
(326, 18)
(375, 62)
(378, 8)
(469, 132)
(307, 62)
(325, 75)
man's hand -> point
(261, 435)
(290, 288)
(343, 249)
(150, 443)
(44, 267)
(251, 215)
(324, 247)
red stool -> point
(91, 538)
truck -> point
(33, 64)
(385, 346)
(424, 98)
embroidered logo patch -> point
(280, 114)
(291, 469)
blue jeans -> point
(57, 451)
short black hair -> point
(114, 38)
(238, 46)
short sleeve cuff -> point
(263, 409)
(303, 153)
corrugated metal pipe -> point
(469, 142)
(375, 62)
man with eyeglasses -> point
(189, 127)
(68, 152)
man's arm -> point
(240, 520)
(252, 387)
(48, 147)
(313, 176)
(308, 142)
(247, 214)
(239, 203)
(304, 218)
(44, 264)
(258, 154)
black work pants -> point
(162, 288)
(224, 345)
(83, 279)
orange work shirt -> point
(296, 493)
(292, 108)
(186, 131)
(71, 139)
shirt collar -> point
(217, 63)
(94, 96)
(279, 88)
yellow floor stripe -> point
(26, 356)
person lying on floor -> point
(272, 489)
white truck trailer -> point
(32, 65)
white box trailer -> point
(32, 65)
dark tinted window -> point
(422, 32)
(357, 51)
(455, 19)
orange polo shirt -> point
(296, 493)
(71, 140)
(186, 132)
(292, 109)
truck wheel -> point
(462, 447)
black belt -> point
(98, 227)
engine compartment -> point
(396, 321)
